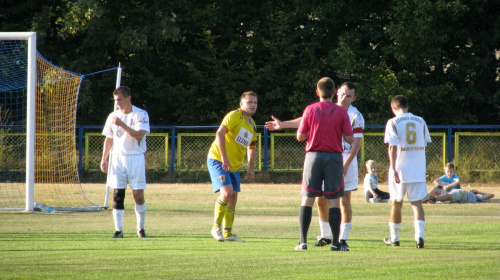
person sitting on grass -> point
(461, 196)
(449, 181)
(370, 187)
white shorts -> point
(129, 169)
(416, 191)
(351, 178)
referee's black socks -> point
(335, 218)
(305, 216)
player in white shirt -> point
(125, 145)
(407, 136)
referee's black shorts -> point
(322, 167)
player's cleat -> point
(420, 243)
(118, 234)
(344, 243)
(217, 234)
(322, 241)
(301, 247)
(142, 233)
(388, 242)
(339, 247)
(233, 237)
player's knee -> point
(119, 199)
(397, 204)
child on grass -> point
(370, 184)
(450, 180)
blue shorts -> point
(221, 177)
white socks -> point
(394, 229)
(326, 231)
(345, 230)
(140, 213)
(419, 226)
(118, 218)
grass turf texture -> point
(462, 240)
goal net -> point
(38, 155)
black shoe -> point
(339, 247)
(344, 243)
(118, 234)
(322, 242)
(420, 243)
(388, 242)
(142, 233)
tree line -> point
(187, 62)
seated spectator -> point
(370, 185)
(449, 181)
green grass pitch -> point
(462, 241)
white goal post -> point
(38, 155)
(30, 125)
(115, 107)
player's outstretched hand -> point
(275, 124)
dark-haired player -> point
(236, 136)
(125, 145)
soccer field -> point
(462, 241)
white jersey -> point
(411, 135)
(357, 124)
(124, 144)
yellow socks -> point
(228, 222)
(220, 212)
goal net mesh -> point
(56, 172)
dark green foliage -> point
(188, 62)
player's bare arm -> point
(220, 137)
(251, 152)
(348, 138)
(356, 144)
(301, 136)
(276, 124)
(108, 143)
(393, 153)
(136, 134)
